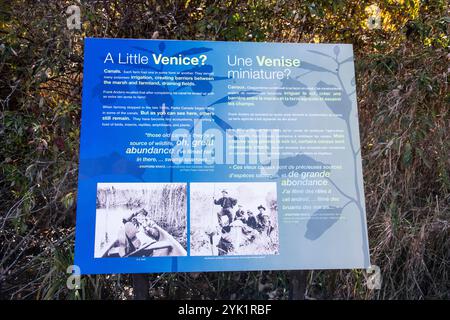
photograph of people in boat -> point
(140, 220)
(233, 219)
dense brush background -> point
(402, 73)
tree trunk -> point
(141, 286)
(298, 281)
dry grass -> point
(402, 74)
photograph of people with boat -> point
(233, 219)
(140, 220)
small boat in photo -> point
(142, 237)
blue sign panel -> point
(219, 156)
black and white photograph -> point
(233, 219)
(140, 220)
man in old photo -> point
(227, 203)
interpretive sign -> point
(216, 156)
